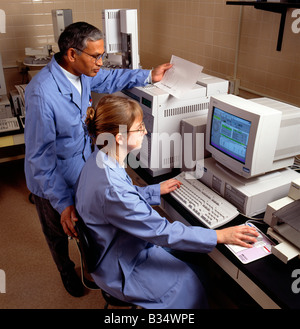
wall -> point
(29, 24)
(202, 31)
(206, 32)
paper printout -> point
(180, 78)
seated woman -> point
(134, 264)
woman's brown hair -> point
(111, 113)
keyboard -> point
(9, 125)
(207, 206)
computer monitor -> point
(250, 138)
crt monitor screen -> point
(230, 134)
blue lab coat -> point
(56, 141)
(129, 234)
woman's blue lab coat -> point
(128, 232)
(55, 137)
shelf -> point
(11, 140)
(265, 3)
(12, 147)
(276, 7)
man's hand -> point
(159, 71)
(68, 219)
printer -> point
(283, 217)
(163, 113)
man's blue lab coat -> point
(129, 234)
(55, 138)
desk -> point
(8, 145)
(268, 281)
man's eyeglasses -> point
(141, 129)
(96, 57)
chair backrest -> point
(90, 255)
(89, 251)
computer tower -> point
(61, 18)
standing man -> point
(57, 143)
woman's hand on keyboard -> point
(242, 235)
(169, 185)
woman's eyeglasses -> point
(141, 129)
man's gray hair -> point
(77, 35)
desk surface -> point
(12, 147)
(270, 274)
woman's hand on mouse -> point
(242, 235)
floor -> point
(32, 280)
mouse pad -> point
(259, 249)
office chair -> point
(89, 255)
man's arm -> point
(110, 81)
(42, 175)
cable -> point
(250, 218)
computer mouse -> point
(258, 238)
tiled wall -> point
(29, 24)
(202, 31)
(206, 32)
